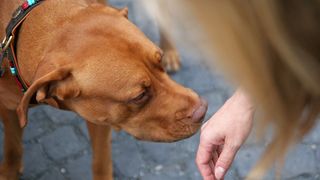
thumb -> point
(225, 160)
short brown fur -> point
(85, 57)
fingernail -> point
(219, 172)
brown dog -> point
(88, 58)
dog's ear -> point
(124, 12)
(42, 85)
(58, 90)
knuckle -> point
(211, 138)
(208, 137)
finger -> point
(211, 164)
(225, 160)
(204, 156)
(215, 156)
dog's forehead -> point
(107, 35)
(99, 22)
(114, 53)
(112, 74)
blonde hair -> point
(272, 48)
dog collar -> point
(8, 45)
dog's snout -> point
(200, 112)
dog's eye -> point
(142, 97)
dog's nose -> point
(200, 112)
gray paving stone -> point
(215, 100)
(199, 78)
(162, 158)
(60, 116)
(80, 168)
(151, 176)
(38, 124)
(231, 174)
(61, 143)
(178, 170)
(84, 129)
(314, 136)
(191, 169)
(52, 174)
(175, 171)
(35, 160)
(246, 158)
(221, 85)
(300, 160)
(253, 138)
(190, 58)
(189, 145)
(318, 157)
(54, 139)
(144, 21)
(306, 176)
(154, 153)
(126, 156)
(120, 3)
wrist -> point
(241, 99)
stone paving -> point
(57, 146)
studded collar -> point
(8, 45)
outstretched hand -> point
(222, 136)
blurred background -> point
(57, 144)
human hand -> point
(222, 136)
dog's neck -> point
(7, 7)
(37, 29)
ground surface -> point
(57, 146)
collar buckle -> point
(5, 44)
(3, 51)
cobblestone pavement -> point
(56, 143)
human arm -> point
(223, 134)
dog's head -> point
(102, 67)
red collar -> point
(8, 45)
